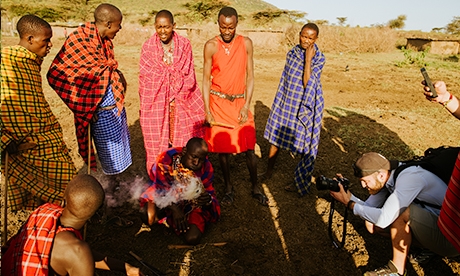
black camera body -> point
(324, 183)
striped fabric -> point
(449, 219)
(163, 172)
(29, 250)
(80, 75)
(159, 85)
(111, 137)
(295, 118)
(43, 171)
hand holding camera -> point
(339, 193)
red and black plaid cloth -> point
(449, 219)
(29, 250)
(80, 74)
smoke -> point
(125, 192)
(186, 188)
(120, 192)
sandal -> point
(121, 222)
(228, 199)
(261, 198)
(291, 188)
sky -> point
(421, 15)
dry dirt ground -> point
(372, 106)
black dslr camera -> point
(324, 183)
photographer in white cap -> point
(391, 208)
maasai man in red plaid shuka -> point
(186, 211)
(172, 109)
(85, 75)
(39, 164)
(50, 243)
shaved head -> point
(165, 14)
(196, 142)
(31, 25)
(228, 12)
(84, 195)
(107, 13)
(311, 26)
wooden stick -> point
(89, 148)
(89, 170)
(221, 125)
(5, 201)
(183, 246)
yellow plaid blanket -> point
(26, 117)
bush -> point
(48, 14)
(340, 39)
(411, 57)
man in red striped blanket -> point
(50, 242)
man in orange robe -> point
(228, 84)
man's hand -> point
(12, 148)
(243, 116)
(123, 80)
(341, 196)
(180, 221)
(132, 270)
(310, 52)
(209, 119)
(441, 90)
(205, 199)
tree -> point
(397, 23)
(296, 15)
(78, 9)
(454, 26)
(202, 10)
(342, 20)
(48, 14)
(437, 30)
(320, 22)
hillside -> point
(137, 8)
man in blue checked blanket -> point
(295, 118)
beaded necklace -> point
(168, 53)
(227, 49)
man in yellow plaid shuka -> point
(39, 164)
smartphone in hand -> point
(428, 82)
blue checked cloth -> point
(295, 118)
(111, 137)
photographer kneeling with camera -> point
(391, 208)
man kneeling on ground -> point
(183, 190)
(50, 242)
(403, 208)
